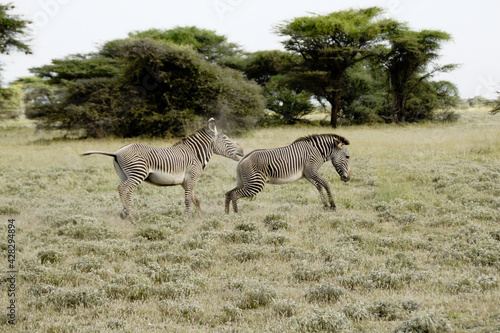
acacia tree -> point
(270, 69)
(331, 44)
(407, 62)
(214, 47)
(145, 87)
(12, 31)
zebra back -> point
(325, 143)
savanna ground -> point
(414, 245)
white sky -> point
(63, 27)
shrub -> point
(133, 292)
(424, 323)
(386, 310)
(87, 265)
(401, 261)
(84, 227)
(256, 296)
(70, 299)
(325, 293)
(276, 240)
(246, 252)
(446, 116)
(246, 226)
(285, 308)
(293, 252)
(9, 210)
(191, 313)
(303, 273)
(231, 313)
(173, 273)
(49, 256)
(238, 236)
(324, 321)
(41, 290)
(275, 222)
(356, 312)
(152, 233)
(488, 282)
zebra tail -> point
(98, 152)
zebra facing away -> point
(301, 159)
(181, 164)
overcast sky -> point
(63, 27)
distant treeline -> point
(364, 67)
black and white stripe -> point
(181, 164)
(301, 159)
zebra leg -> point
(125, 190)
(229, 198)
(189, 182)
(195, 200)
(189, 197)
(320, 183)
(244, 192)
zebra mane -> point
(191, 136)
(311, 138)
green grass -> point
(414, 245)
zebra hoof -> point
(123, 215)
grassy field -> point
(414, 245)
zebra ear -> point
(211, 125)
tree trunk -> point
(334, 101)
(400, 109)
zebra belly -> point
(285, 180)
(165, 179)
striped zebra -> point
(301, 159)
(181, 164)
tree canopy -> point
(333, 45)
(330, 44)
(214, 47)
(13, 31)
(368, 68)
(407, 61)
(148, 87)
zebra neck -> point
(202, 146)
(324, 146)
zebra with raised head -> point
(181, 164)
(301, 159)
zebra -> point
(181, 164)
(301, 159)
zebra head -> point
(226, 147)
(340, 161)
(223, 145)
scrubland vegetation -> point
(414, 245)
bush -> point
(324, 321)
(285, 308)
(386, 310)
(49, 256)
(152, 233)
(84, 227)
(246, 252)
(424, 323)
(255, 296)
(275, 222)
(325, 293)
(71, 299)
(160, 88)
